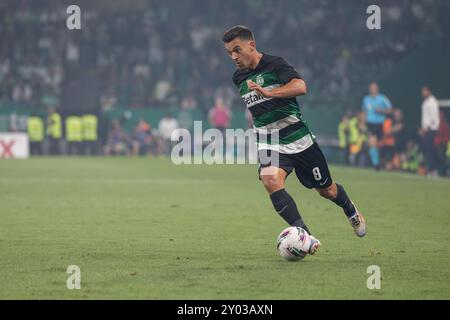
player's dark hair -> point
(241, 32)
(427, 87)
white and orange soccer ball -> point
(293, 243)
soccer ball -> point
(293, 243)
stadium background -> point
(141, 228)
(140, 59)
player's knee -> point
(272, 183)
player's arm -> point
(295, 87)
(387, 107)
(291, 83)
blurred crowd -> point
(375, 136)
(151, 54)
(168, 55)
(78, 135)
(144, 140)
(55, 134)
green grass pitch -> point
(147, 229)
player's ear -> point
(252, 44)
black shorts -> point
(375, 129)
(310, 166)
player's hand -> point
(256, 87)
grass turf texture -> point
(147, 229)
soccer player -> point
(376, 107)
(269, 86)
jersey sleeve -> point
(285, 71)
(387, 103)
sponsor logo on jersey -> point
(253, 97)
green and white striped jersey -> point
(272, 115)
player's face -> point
(373, 89)
(241, 51)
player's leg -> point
(336, 193)
(312, 170)
(273, 179)
(375, 134)
(273, 176)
